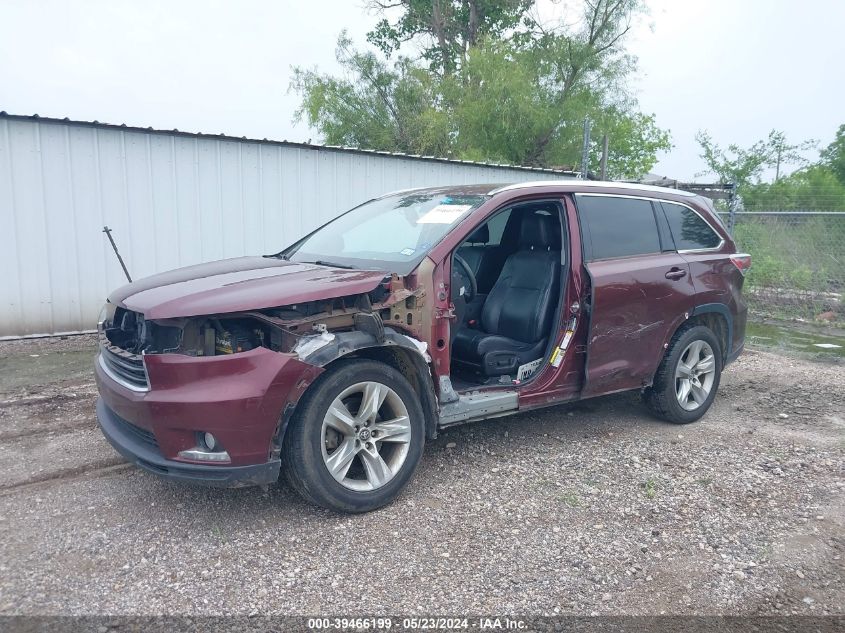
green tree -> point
(833, 156)
(514, 110)
(374, 106)
(506, 94)
(746, 166)
(634, 140)
(814, 188)
(785, 154)
(444, 29)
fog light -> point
(202, 455)
(210, 441)
(208, 449)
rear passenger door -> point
(640, 289)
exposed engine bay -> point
(281, 329)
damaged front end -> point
(302, 329)
(216, 392)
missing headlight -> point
(234, 337)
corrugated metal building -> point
(172, 199)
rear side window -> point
(689, 230)
(617, 227)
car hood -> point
(243, 283)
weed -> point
(570, 498)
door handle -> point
(675, 273)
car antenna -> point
(107, 231)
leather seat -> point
(484, 260)
(519, 312)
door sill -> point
(479, 405)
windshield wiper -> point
(323, 262)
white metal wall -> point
(171, 200)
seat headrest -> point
(481, 235)
(539, 231)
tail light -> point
(742, 261)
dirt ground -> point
(592, 508)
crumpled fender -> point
(343, 343)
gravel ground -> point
(592, 508)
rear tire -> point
(687, 379)
(355, 438)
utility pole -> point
(604, 157)
(585, 150)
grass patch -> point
(570, 498)
(764, 553)
(797, 263)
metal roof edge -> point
(243, 139)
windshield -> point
(392, 233)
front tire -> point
(356, 437)
(686, 382)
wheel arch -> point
(413, 366)
(715, 316)
(395, 350)
(718, 318)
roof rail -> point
(591, 184)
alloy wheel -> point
(366, 434)
(694, 375)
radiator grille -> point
(125, 368)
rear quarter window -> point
(617, 227)
(689, 230)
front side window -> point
(689, 230)
(617, 227)
(392, 233)
(496, 226)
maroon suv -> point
(336, 358)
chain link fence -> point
(797, 262)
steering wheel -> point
(469, 294)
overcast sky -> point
(737, 68)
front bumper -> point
(144, 453)
(240, 398)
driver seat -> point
(518, 314)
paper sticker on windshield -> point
(407, 252)
(444, 214)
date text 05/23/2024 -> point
(418, 623)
